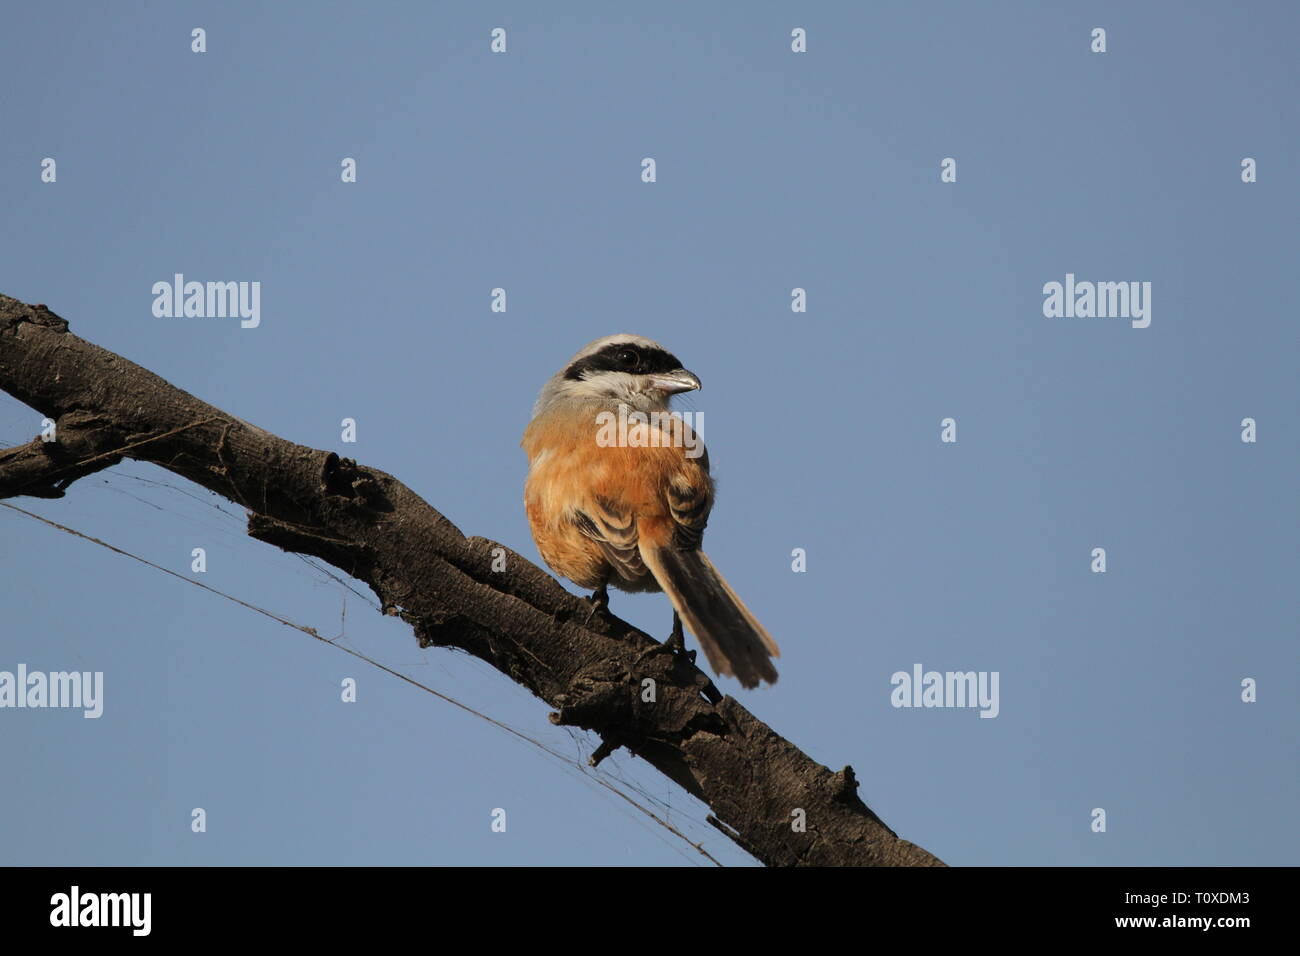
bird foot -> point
(599, 602)
(676, 643)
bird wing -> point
(688, 493)
(614, 528)
(690, 499)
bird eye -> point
(627, 358)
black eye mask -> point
(612, 359)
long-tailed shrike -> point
(618, 493)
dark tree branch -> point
(589, 667)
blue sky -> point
(775, 170)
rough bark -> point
(588, 667)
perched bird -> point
(618, 493)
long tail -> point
(733, 640)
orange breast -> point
(569, 471)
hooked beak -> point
(674, 382)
